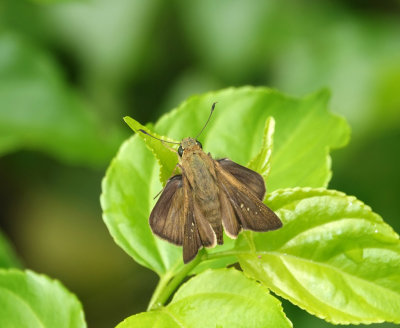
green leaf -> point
(30, 300)
(165, 157)
(304, 133)
(129, 187)
(39, 111)
(150, 319)
(333, 257)
(216, 298)
(8, 258)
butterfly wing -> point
(177, 218)
(167, 217)
(251, 179)
(230, 222)
(240, 201)
(191, 240)
(197, 230)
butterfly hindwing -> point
(192, 241)
(230, 222)
(207, 235)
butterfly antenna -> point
(143, 131)
(212, 110)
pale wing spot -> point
(241, 205)
(248, 209)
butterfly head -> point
(189, 144)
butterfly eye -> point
(180, 151)
(199, 143)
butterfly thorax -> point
(198, 168)
(189, 144)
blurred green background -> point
(70, 70)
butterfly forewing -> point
(167, 217)
(250, 212)
(252, 180)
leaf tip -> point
(127, 119)
(133, 124)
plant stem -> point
(160, 287)
(166, 286)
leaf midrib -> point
(23, 301)
(280, 255)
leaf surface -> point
(216, 298)
(30, 300)
(333, 257)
